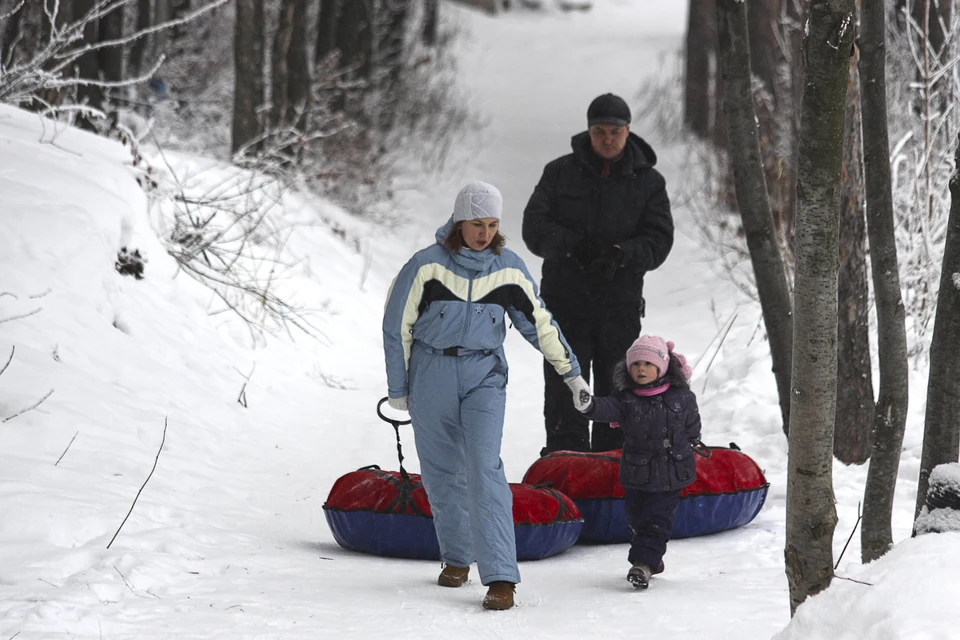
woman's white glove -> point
(400, 404)
(582, 398)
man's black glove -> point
(586, 252)
(604, 268)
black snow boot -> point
(639, 576)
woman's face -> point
(478, 234)
(644, 372)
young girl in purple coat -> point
(661, 423)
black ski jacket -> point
(625, 205)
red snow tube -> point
(379, 512)
(728, 492)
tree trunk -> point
(140, 45)
(162, 12)
(936, 15)
(279, 68)
(852, 436)
(391, 55)
(771, 277)
(765, 54)
(9, 37)
(88, 67)
(431, 21)
(111, 58)
(941, 431)
(788, 103)
(355, 37)
(298, 67)
(876, 536)
(248, 63)
(326, 29)
(811, 514)
(701, 21)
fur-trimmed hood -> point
(623, 382)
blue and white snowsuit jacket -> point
(444, 300)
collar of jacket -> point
(637, 155)
(466, 258)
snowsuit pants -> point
(457, 407)
(601, 339)
(650, 516)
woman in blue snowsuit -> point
(443, 330)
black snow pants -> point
(600, 340)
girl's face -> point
(478, 234)
(644, 372)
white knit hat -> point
(477, 200)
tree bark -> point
(701, 21)
(139, 46)
(88, 67)
(852, 437)
(326, 29)
(279, 69)
(765, 54)
(391, 56)
(355, 37)
(298, 67)
(248, 63)
(876, 536)
(431, 22)
(111, 58)
(773, 288)
(941, 431)
(811, 514)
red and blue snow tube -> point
(386, 514)
(729, 492)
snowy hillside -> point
(228, 539)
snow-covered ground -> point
(228, 539)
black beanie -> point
(608, 109)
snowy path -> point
(229, 539)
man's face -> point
(608, 140)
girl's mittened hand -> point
(400, 404)
(582, 398)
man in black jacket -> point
(600, 219)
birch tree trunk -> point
(773, 288)
(941, 431)
(811, 514)
(852, 436)
(876, 536)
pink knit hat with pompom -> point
(657, 352)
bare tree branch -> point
(67, 449)
(137, 497)
(9, 360)
(30, 408)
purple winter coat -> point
(659, 433)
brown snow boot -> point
(452, 576)
(499, 595)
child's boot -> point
(452, 576)
(499, 595)
(639, 576)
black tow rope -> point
(396, 427)
(702, 450)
